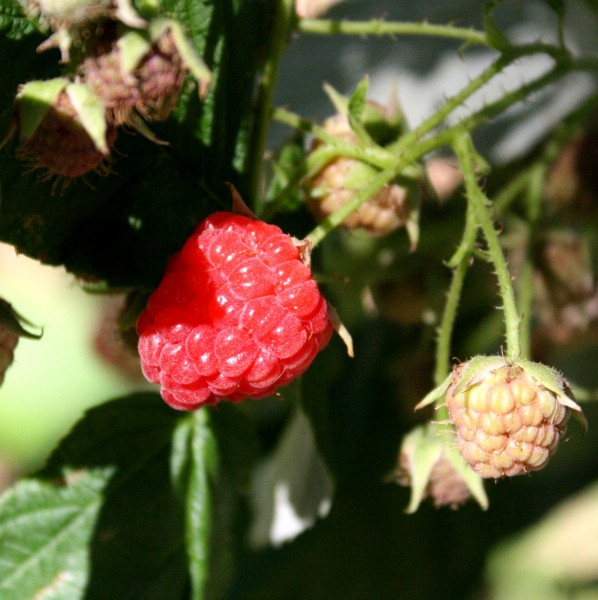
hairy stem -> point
(411, 147)
(380, 27)
(450, 105)
(459, 262)
(465, 152)
(338, 216)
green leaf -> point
(102, 520)
(13, 23)
(212, 455)
(45, 528)
(212, 134)
(196, 458)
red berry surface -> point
(237, 315)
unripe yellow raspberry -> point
(343, 178)
(510, 416)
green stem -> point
(411, 148)
(202, 455)
(416, 148)
(333, 146)
(450, 105)
(380, 27)
(460, 262)
(283, 21)
(465, 152)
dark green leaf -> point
(196, 454)
(102, 520)
(13, 23)
(121, 229)
(211, 137)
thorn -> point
(239, 207)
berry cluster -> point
(126, 74)
(237, 315)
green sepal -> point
(34, 100)
(190, 57)
(355, 111)
(472, 480)
(423, 451)
(133, 46)
(423, 447)
(552, 380)
(434, 395)
(126, 13)
(475, 369)
(140, 126)
(340, 102)
(385, 124)
(374, 125)
(91, 113)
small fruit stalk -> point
(141, 72)
(237, 315)
(509, 415)
(62, 127)
(333, 182)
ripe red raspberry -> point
(237, 315)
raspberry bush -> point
(282, 283)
